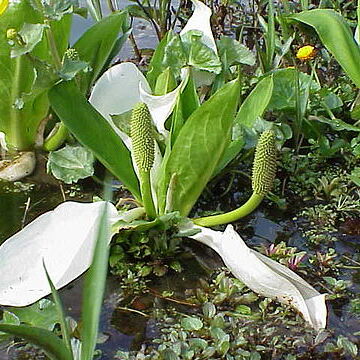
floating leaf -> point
(191, 323)
(41, 314)
(265, 276)
(63, 239)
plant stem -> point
(145, 188)
(56, 139)
(52, 45)
(231, 216)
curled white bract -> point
(263, 275)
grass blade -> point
(94, 287)
(65, 330)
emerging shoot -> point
(264, 172)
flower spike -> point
(143, 145)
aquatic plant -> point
(165, 168)
(33, 57)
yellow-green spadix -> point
(264, 166)
(142, 137)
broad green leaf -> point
(19, 117)
(198, 149)
(71, 68)
(200, 56)
(71, 163)
(94, 132)
(255, 104)
(94, 286)
(284, 93)
(97, 43)
(165, 82)
(42, 314)
(337, 37)
(337, 124)
(234, 52)
(45, 339)
(31, 35)
(253, 107)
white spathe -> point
(123, 86)
(63, 238)
(263, 275)
(200, 20)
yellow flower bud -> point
(3, 6)
(307, 52)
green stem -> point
(231, 216)
(56, 138)
(52, 45)
(145, 187)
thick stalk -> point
(244, 210)
(147, 199)
(56, 138)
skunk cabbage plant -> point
(164, 151)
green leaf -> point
(19, 122)
(96, 45)
(156, 66)
(55, 10)
(71, 68)
(8, 318)
(348, 346)
(337, 37)
(355, 176)
(41, 314)
(252, 108)
(198, 149)
(64, 326)
(255, 104)
(31, 35)
(45, 339)
(234, 53)
(200, 56)
(94, 132)
(71, 163)
(191, 323)
(284, 94)
(337, 124)
(94, 287)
